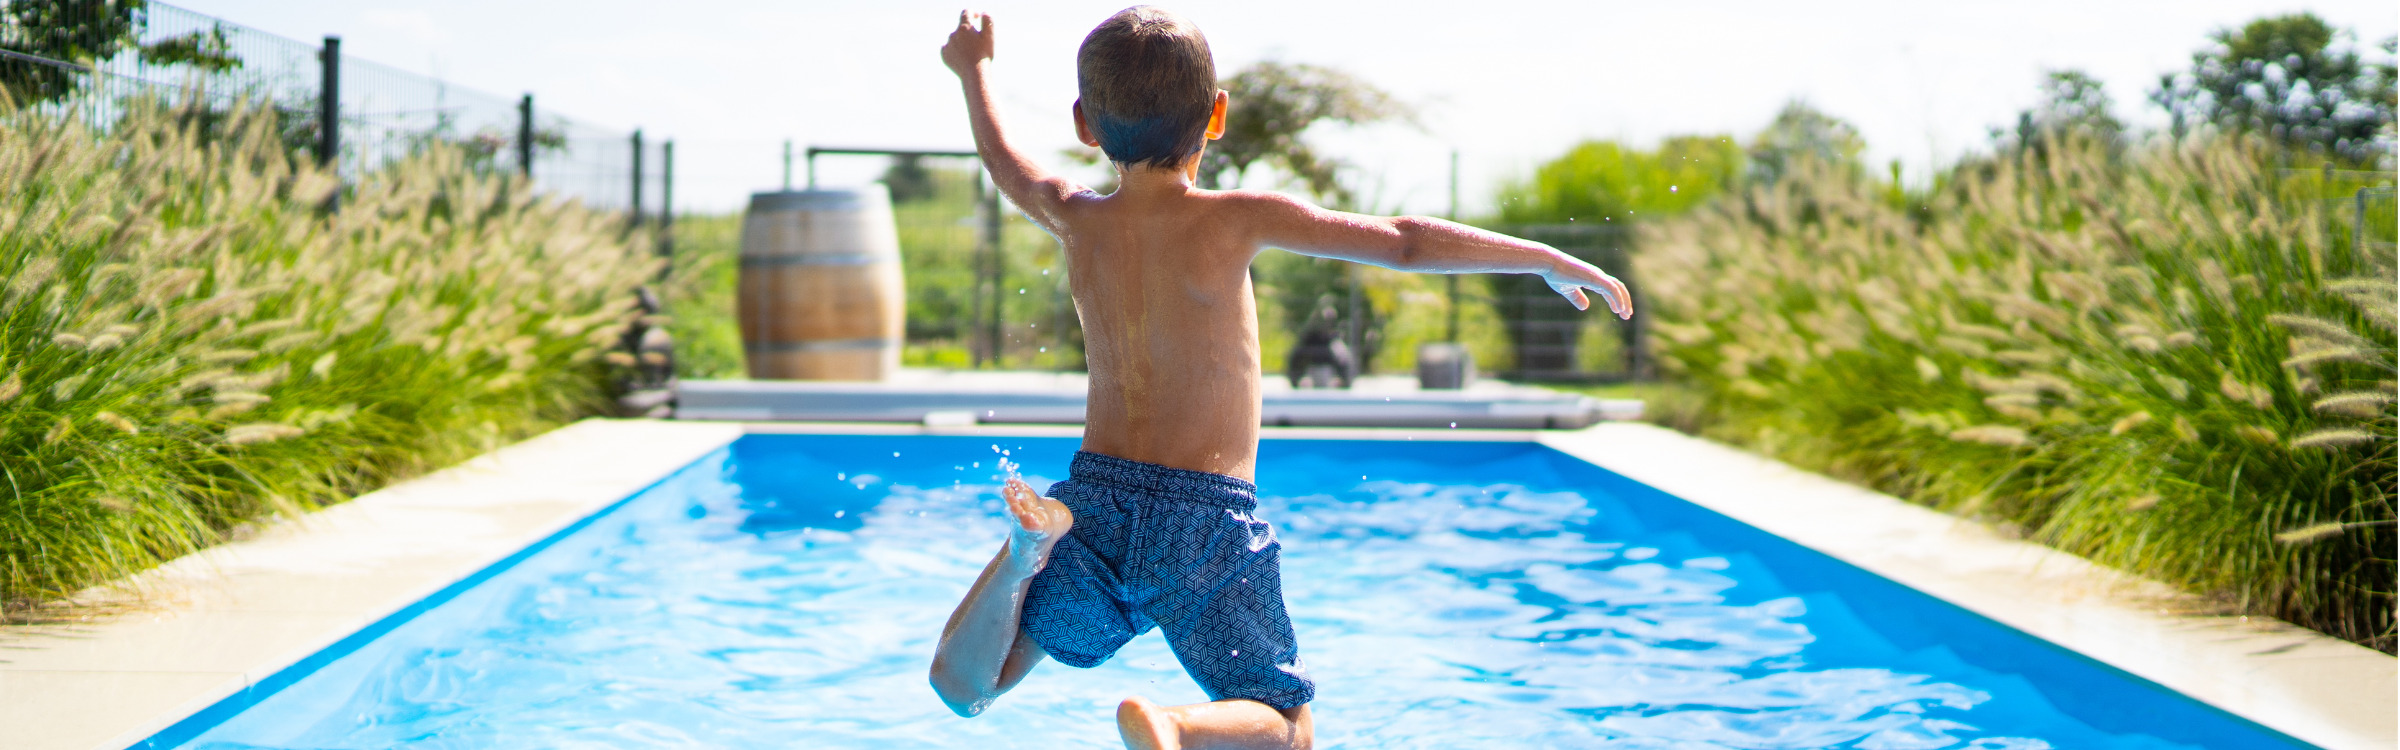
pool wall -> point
(235, 618)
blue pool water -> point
(786, 592)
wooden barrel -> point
(820, 290)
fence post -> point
(787, 165)
(330, 104)
(525, 135)
(991, 232)
(1450, 322)
(976, 345)
(666, 199)
(637, 177)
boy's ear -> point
(1216, 117)
(1083, 130)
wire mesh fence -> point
(93, 59)
(981, 293)
(1554, 342)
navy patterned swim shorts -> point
(1174, 549)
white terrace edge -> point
(229, 616)
(2320, 689)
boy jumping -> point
(1154, 524)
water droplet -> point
(841, 476)
(895, 454)
(1670, 188)
(1237, 652)
(1045, 272)
(839, 513)
(1453, 425)
(1020, 290)
(1042, 349)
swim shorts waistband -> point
(1183, 484)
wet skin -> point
(1160, 273)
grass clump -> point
(190, 339)
(2167, 360)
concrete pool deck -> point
(214, 623)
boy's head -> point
(1148, 87)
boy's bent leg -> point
(1234, 724)
(982, 652)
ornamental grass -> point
(2170, 359)
(192, 340)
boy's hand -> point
(968, 46)
(1570, 277)
(1041, 522)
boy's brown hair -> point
(1148, 86)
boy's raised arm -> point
(1425, 244)
(1035, 191)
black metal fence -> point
(91, 59)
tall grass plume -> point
(2032, 342)
(168, 275)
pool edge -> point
(2313, 687)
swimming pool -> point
(786, 592)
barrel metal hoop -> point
(828, 345)
(817, 259)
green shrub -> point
(190, 341)
(2170, 360)
(699, 297)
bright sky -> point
(1506, 84)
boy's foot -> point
(1041, 522)
(1147, 726)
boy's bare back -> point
(1161, 278)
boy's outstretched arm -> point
(1426, 244)
(982, 653)
(1034, 191)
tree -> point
(2073, 106)
(1272, 105)
(908, 180)
(1605, 181)
(207, 50)
(1801, 133)
(67, 31)
(2282, 77)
